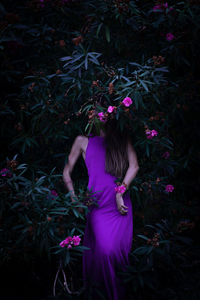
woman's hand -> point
(122, 208)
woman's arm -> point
(72, 158)
(133, 165)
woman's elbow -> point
(66, 171)
(135, 168)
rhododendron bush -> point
(68, 66)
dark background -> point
(42, 111)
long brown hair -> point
(116, 141)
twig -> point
(60, 268)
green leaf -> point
(67, 258)
(144, 85)
(107, 33)
(76, 213)
(86, 62)
(141, 250)
(143, 236)
(156, 98)
(147, 150)
(98, 29)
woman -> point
(109, 228)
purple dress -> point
(108, 234)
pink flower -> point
(169, 188)
(110, 109)
(151, 133)
(101, 114)
(166, 155)
(157, 7)
(54, 193)
(70, 241)
(160, 6)
(154, 132)
(148, 131)
(63, 244)
(120, 189)
(42, 3)
(5, 172)
(66, 242)
(127, 101)
(101, 117)
(170, 36)
(76, 240)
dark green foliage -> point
(57, 58)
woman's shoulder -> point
(80, 138)
(84, 137)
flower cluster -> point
(121, 5)
(170, 36)
(70, 241)
(5, 172)
(12, 164)
(151, 133)
(161, 7)
(77, 40)
(158, 116)
(155, 240)
(158, 59)
(120, 189)
(166, 155)
(54, 193)
(169, 188)
(185, 225)
(103, 116)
